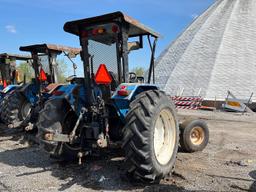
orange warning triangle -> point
(102, 76)
(42, 75)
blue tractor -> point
(20, 108)
(111, 107)
(9, 77)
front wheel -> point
(151, 137)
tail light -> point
(123, 91)
(115, 28)
(94, 31)
(84, 34)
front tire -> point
(151, 137)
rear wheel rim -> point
(197, 135)
(25, 110)
(164, 136)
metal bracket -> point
(56, 137)
(73, 133)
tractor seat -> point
(51, 87)
(77, 80)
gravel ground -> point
(227, 164)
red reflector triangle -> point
(102, 76)
(5, 84)
(42, 76)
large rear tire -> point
(16, 108)
(151, 137)
(3, 106)
(57, 117)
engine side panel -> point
(122, 102)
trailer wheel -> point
(194, 135)
(151, 137)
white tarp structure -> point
(216, 53)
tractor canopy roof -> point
(15, 56)
(135, 27)
(45, 48)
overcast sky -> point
(24, 22)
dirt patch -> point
(227, 164)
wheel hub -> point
(164, 136)
(197, 135)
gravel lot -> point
(227, 164)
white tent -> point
(216, 53)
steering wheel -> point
(132, 77)
(70, 78)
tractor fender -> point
(74, 94)
(9, 88)
(49, 89)
(29, 91)
(122, 101)
(24, 87)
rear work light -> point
(123, 91)
(100, 30)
